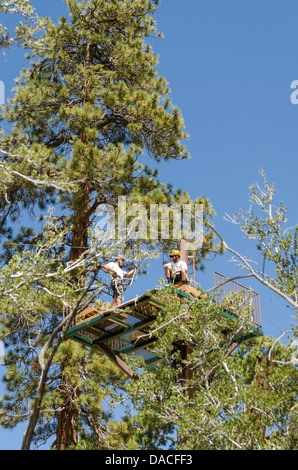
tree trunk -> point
(66, 431)
(79, 241)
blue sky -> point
(230, 66)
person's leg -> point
(116, 300)
(117, 292)
(168, 273)
(176, 277)
(118, 297)
(184, 276)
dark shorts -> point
(177, 277)
(117, 287)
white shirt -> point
(115, 267)
(178, 266)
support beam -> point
(183, 248)
(116, 360)
(187, 369)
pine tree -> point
(83, 114)
(25, 32)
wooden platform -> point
(121, 330)
(126, 329)
(91, 313)
(189, 290)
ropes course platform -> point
(119, 330)
(125, 329)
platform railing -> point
(224, 287)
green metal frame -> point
(90, 333)
(92, 326)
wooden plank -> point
(145, 310)
(118, 332)
(103, 319)
(88, 312)
(119, 321)
(116, 360)
(190, 290)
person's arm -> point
(169, 266)
(130, 273)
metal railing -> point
(249, 299)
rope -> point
(132, 280)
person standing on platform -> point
(118, 275)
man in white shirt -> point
(118, 275)
(176, 270)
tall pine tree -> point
(83, 114)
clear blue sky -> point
(230, 65)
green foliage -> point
(24, 30)
(247, 402)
